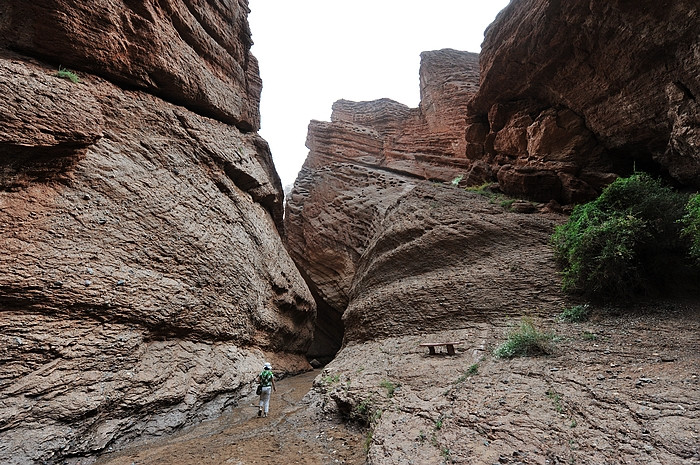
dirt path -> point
(291, 434)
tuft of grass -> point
(363, 408)
(64, 73)
(389, 386)
(506, 203)
(556, 400)
(455, 182)
(497, 198)
(480, 189)
(589, 336)
(446, 454)
(575, 314)
(368, 440)
(471, 371)
(525, 340)
(330, 379)
(438, 424)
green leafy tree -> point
(691, 225)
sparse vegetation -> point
(471, 371)
(445, 452)
(494, 197)
(589, 336)
(362, 408)
(575, 314)
(64, 73)
(556, 400)
(621, 243)
(330, 379)
(506, 203)
(525, 340)
(368, 440)
(389, 386)
(438, 424)
(455, 182)
(481, 189)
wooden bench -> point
(432, 345)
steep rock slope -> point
(389, 250)
(142, 277)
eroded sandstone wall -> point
(575, 93)
(388, 245)
(143, 279)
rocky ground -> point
(621, 388)
(293, 433)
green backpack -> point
(266, 378)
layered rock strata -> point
(389, 249)
(425, 142)
(574, 93)
(143, 279)
(419, 143)
(192, 53)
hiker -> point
(267, 381)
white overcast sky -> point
(314, 52)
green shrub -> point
(618, 244)
(525, 340)
(691, 225)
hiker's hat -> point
(267, 366)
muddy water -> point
(291, 434)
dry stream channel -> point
(291, 434)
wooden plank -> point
(450, 346)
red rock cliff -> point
(143, 280)
(386, 248)
(574, 93)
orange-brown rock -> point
(575, 93)
(355, 161)
(143, 280)
(388, 248)
(425, 142)
(193, 53)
